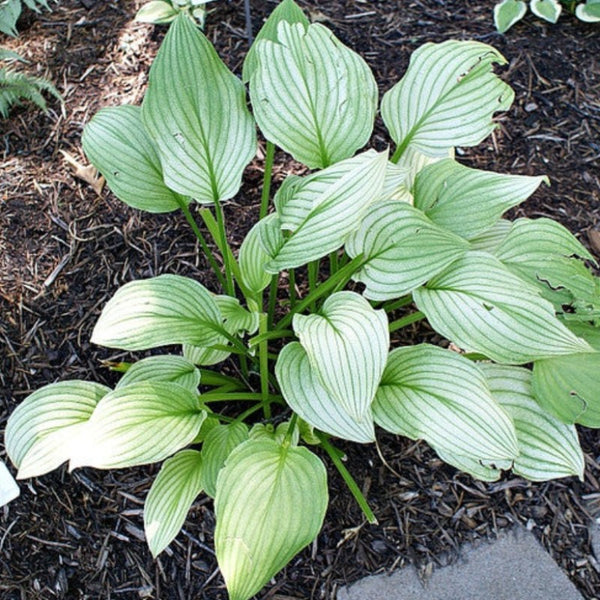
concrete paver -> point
(514, 567)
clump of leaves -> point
(165, 11)
(16, 86)
(509, 12)
(10, 11)
(403, 238)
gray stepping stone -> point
(514, 567)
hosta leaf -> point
(174, 369)
(548, 449)
(446, 98)
(475, 468)
(117, 144)
(311, 95)
(334, 340)
(335, 214)
(138, 424)
(490, 240)
(41, 431)
(589, 12)
(173, 492)
(168, 309)
(156, 11)
(271, 501)
(468, 201)
(218, 445)
(480, 305)
(195, 110)
(437, 395)
(546, 9)
(507, 13)
(413, 162)
(402, 249)
(569, 387)
(588, 332)
(287, 11)
(9, 490)
(307, 397)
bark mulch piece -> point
(64, 250)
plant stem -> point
(263, 350)
(207, 251)
(290, 432)
(208, 377)
(407, 320)
(313, 273)
(266, 189)
(404, 301)
(228, 396)
(333, 263)
(272, 299)
(292, 287)
(350, 482)
(225, 250)
(270, 335)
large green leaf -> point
(218, 445)
(548, 10)
(569, 387)
(307, 397)
(287, 11)
(507, 13)
(446, 98)
(168, 309)
(402, 249)
(195, 110)
(174, 369)
(175, 488)
(480, 305)
(271, 501)
(437, 395)
(311, 95)
(468, 201)
(334, 340)
(138, 424)
(548, 449)
(335, 213)
(117, 144)
(42, 431)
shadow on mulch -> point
(64, 251)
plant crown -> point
(367, 244)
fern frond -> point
(16, 87)
(10, 11)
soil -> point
(64, 250)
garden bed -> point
(64, 250)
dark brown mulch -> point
(64, 251)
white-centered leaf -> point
(476, 468)
(307, 397)
(589, 12)
(287, 11)
(173, 492)
(548, 448)
(41, 431)
(311, 95)
(195, 110)
(437, 395)
(478, 304)
(446, 98)
(9, 490)
(507, 13)
(469, 201)
(335, 214)
(271, 502)
(490, 240)
(168, 309)
(138, 424)
(569, 387)
(347, 345)
(175, 369)
(117, 144)
(218, 445)
(156, 12)
(402, 249)
(548, 10)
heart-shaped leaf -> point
(589, 12)
(507, 13)
(174, 369)
(548, 10)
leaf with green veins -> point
(261, 482)
(468, 201)
(499, 315)
(312, 96)
(507, 13)
(475, 468)
(170, 498)
(168, 309)
(446, 98)
(437, 395)
(174, 369)
(156, 12)
(548, 449)
(491, 239)
(138, 424)
(195, 111)
(42, 431)
(402, 249)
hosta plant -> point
(165, 11)
(302, 343)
